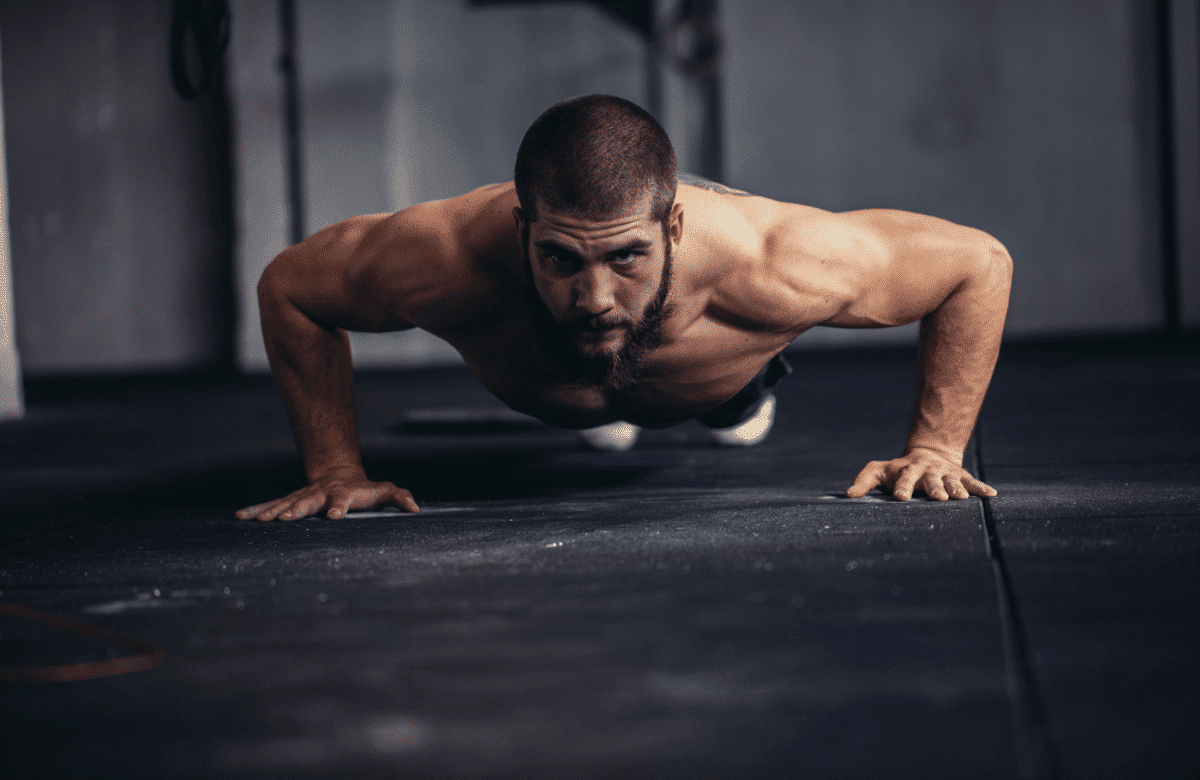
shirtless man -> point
(599, 289)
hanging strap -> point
(209, 23)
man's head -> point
(596, 178)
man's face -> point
(597, 290)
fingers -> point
(903, 489)
(935, 488)
(955, 487)
(868, 479)
(978, 488)
(302, 508)
(267, 511)
(937, 478)
(333, 497)
(942, 487)
(273, 511)
(405, 501)
(339, 505)
(252, 511)
(384, 495)
(291, 507)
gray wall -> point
(1022, 119)
(1030, 120)
(117, 240)
(1033, 121)
(404, 101)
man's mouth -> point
(599, 334)
(601, 326)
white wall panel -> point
(12, 403)
(118, 243)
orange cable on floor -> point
(148, 657)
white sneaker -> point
(751, 431)
(614, 437)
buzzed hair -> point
(594, 157)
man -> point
(601, 292)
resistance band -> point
(209, 23)
(148, 655)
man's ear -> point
(519, 218)
(675, 224)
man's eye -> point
(558, 260)
(625, 257)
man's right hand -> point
(333, 495)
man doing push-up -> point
(603, 292)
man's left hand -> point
(938, 476)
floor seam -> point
(1037, 758)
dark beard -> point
(607, 371)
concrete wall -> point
(1033, 121)
(1022, 119)
(117, 236)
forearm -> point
(957, 349)
(314, 372)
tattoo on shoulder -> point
(711, 186)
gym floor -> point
(673, 611)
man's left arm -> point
(958, 345)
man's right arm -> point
(309, 296)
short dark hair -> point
(594, 156)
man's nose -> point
(594, 291)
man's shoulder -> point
(450, 260)
(787, 266)
(453, 224)
(896, 229)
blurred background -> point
(138, 221)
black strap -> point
(209, 22)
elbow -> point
(274, 279)
(999, 257)
(276, 290)
(1002, 267)
(993, 265)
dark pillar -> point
(698, 47)
(291, 118)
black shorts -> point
(743, 405)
